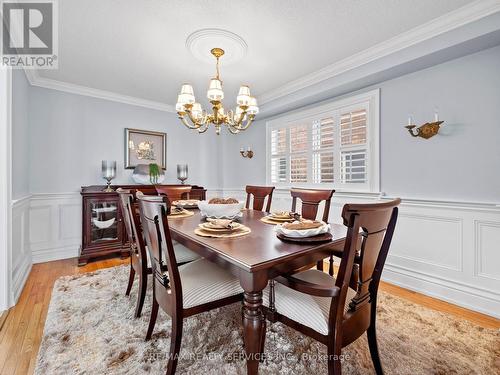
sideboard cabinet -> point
(103, 230)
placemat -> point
(185, 214)
(240, 232)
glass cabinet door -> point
(104, 221)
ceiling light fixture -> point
(194, 117)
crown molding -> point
(35, 80)
(447, 22)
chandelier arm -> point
(232, 129)
(240, 119)
(248, 123)
(203, 128)
(186, 123)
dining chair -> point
(327, 308)
(310, 200)
(138, 255)
(259, 194)
(181, 291)
(140, 263)
(174, 193)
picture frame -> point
(145, 147)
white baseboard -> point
(48, 255)
(20, 277)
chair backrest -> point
(311, 198)
(377, 222)
(125, 196)
(154, 221)
(174, 193)
(259, 194)
(132, 224)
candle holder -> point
(182, 173)
(427, 130)
(246, 154)
(108, 173)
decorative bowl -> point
(220, 211)
(103, 224)
(302, 233)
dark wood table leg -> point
(254, 321)
(253, 329)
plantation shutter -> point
(323, 142)
(299, 153)
(353, 147)
(278, 156)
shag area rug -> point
(90, 329)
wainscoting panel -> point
(55, 226)
(487, 249)
(21, 254)
(448, 250)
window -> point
(334, 144)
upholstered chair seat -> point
(203, 282)
(308, 310)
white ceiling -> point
(138, 48)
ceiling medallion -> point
(201, 42)
(194, 117)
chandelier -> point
(194, 117)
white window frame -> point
(371, 101)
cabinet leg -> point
(82, 262)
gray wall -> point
(462, 163)
(20, 135)
(70, 135)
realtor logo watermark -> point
(29, 34)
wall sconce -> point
(427, 130)
(246, 154)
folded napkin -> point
(302, 225)
(221, 223)
(281, 214)
(176, 210)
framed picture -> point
(145, 147)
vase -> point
(141, 175)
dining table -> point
(254, 258)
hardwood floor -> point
(23, 327)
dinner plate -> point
(324, 237)
(281, 219)
(218, 230)
(211, 226)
